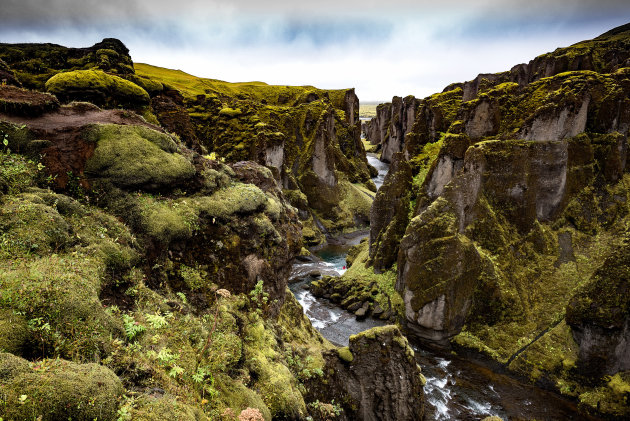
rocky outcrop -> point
(599, 316)
(391, 125)
(390, 214)
(64, 389)
(170, 112)
(438, 272)
(34, 64)
(604, 54)
(310, 139)
(377, 376)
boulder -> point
(376, 377)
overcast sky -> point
(382, 48)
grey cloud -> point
(56, 11)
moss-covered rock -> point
(599, 314)
(57, 389)
(309, 138)
(376, 377)
(154, 408)
(390, 214)
(14, 332)
(34, 63)
(98, 87)
(136, 156)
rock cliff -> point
(518, 193)
(376, 377)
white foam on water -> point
(333, 316)
(318, 324)
(478, 408)
(442, 363)
(441, 410)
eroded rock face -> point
(322, 158)
(438, 272)
(390, 214)
(377, 376)
(599, 316)
(559, 124)
(169, 110)
(391, 124)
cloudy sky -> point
(382, 48)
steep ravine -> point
(456, 388)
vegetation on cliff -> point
(140, 279)
(519, 205)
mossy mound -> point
(56, 258)
(23, 102)
(238, 199)
(31, 226)
(15, 334)
(17, 173)
(136, 156)
(34, 64)
(57, 389)
(98, 87)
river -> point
(456, 389)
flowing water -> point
(382, 168)
(456, 389)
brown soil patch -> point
(68, 152)
(14, 100)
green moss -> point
(237, 199)
(97, 86)
(14, 332)
(277, 385)
(32, 227)
(446, 103)
(345, 354)
(153, 87)
(233, 394)
(168, 220)
(620, 383)
(59, 297)
(16, 173)
(148, 408)
(230, 112)
(58, 389)
(135, 156)
(603, 301)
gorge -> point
(174, 247)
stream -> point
(456, 389)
